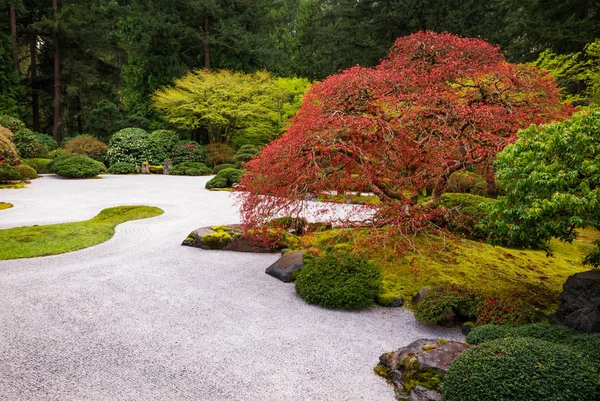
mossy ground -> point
(348, 198)
(13, 185)
(4, 205)
(411, 263)
(53, 239)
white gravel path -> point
(142, 318)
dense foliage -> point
(128, 145)
(8, 152)
(187, 151)
(225, 178)
(436, 105)
(88, 146)
(245, 153)
(339, 280)
(39, 165)
(463, 214)
(78, 167)
(26, 172)
(521, 369)
(8, 173)
(191, 168)
(161, 144)
(230, 107)
(122, 168)
(551, 176)
(32, 144)
(219, 153)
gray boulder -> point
(283, 268)
(579, 306)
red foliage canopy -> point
(437, 104)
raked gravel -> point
(142, 318)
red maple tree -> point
(437, 104)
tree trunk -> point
(13, 34)
(490, 178)
(55, 131)
(436, 194)
(35, 99)
(206, 44)
(79, 119)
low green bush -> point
(191, 168)
(122, 168)
(26, 172)
(187, 151)
(31, 145)
(39, 165)
(339, 280)
(222, 167)
(160, 145)
(78, 166)
(225, 178)
(521, 369)
(88, 146)
(245, 154)
(464, 212)
(8, 173)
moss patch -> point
(5, 205)
(13, 185)
(426, 260)
(53, 239)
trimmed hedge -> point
(26, 172)
(220, 167)
(39, 165)
(226, 178)
(190, 168)
(521, 369)
(339, 280)
(78, 167)
(8, 173)
(122, 168)
(128, 145)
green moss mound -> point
(78, 167)
(222, 167)
(226, 178)
(191, 168)
(39, 165)
(34, 241)
(521, 369)
(339, 280)
(122, 168)
(26, 172)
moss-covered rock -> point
(224, 237)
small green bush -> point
(219, 153)
(521, 369)
(26, 172)
(226, 178)
(78, 166)
(466, 182)
(339, 280)
(88, 146)
(122, 168)
(464, 212)
(8, 173)
(222, 167)
(160, 146)
(245, 154)
(11, 123)
(31, 145)
(447, 305)
(39, 165)
(187, 151)
(191, 168)
(128, 145)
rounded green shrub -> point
(187, 151)
(464, 212)
(521, 369)
(245, 153)
(8, 173)
(220, 167)
(191, 168)
(122, 168)
(219, 153)
(39, 165)
(88, 146)
(225, 178)
(26, 172)
(339, 280)
(447, 305)
(128, 145)
(160, 146)
(78, 166)
(12, 123)
(31, 145)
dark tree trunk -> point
(79, 120)
(13, 34)
(55, 131)
(206, 44)
(490, 179)
(35, 99)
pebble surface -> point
(141, 317)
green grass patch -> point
(53, 239)
(4, 205)
(346, 198)
(221, 189)
(13, 185)
(412, 263)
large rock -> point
(417, 370)
(579, 306)
(283, 268)
(226, 238)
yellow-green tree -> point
(231, 107)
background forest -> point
(91, 66)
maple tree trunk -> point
(35, 100)
(206, 44)
(13, 34)
(55, 132)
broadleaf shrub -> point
(464, 212)
(26, 172)
(160, 146)
(122, 168)
(39, 165)
(219, 153)
(8, 152)
(226, 178)
(187, 151)
(466, 182)
(8, 173)
(88, 146)
(191, 168)
(78, 166)
(339, 280)
(11, 123)
(30, 144)
(128, 145)
(521, 369)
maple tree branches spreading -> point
(437, 104)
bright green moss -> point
(217, 240)
(381, 370)
(4, 205)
